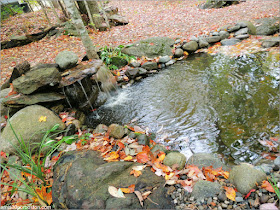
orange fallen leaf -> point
(128, 158)
(42, 193)
(136, 173)
(112, 156)
(130, 189)
(230, 193)
(142, 157)
(266, 185)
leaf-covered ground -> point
(175, 19)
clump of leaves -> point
(106, 54)
(9, 10)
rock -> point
(267, 168)
(116, 131)
(142, 71)
(143, 139)
(232, 41)
(118, 19)
(107, 79)
(241, 31)
(249, 25)
(267, 26)
(242, 36)
(205, 189)
(233, 28)
(171, 62)
(101, 128)
(277, 161)
(264, 198)
(132, 73)
(149, 65)
(27, 126)
(190, 46)
(45, 65)
(206, 159)
(134, 64)
(238, 199)
(33, 80)
(19, 70)
(151, 47)
(202, 42)
(244, 177)
(164, 59)
(276, 168)
(158, 148)
(223, 34)
(177, 41)
(272, 42)
(194, 38)
(175, 158)
(224, 28)
(213, 39)
(82, 178)
(66, 59)
(178, 53)
(118, 62)
(222, 196)
(111, 10)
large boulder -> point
(151, 47)
(81, 181)
(267, 26)
(245, 177)
(33, 80)
(204, 189)
(206, 159)
(66, 59)
(28, 127)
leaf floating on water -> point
(117, 193)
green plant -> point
(34, 164)
(273, 183)
(106, 54)
(9, 10)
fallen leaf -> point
(42, 118)
(42, 193)
(140, 198)
(249, 193)
(230, 193)
(136, 173)
(117, 193)
(268, 206)
(128, 158)
(266, 185)
(146, 194)
(130, 189)
(142, 157)
(139, 168)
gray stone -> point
(206, 159)
(241, 31)
(267, 168)
(224, 34)
(151, 47)
(164, 59)
(202, 42)
(159, 147)
(118, 19)
(277, 161)
(204, 189)
(264, 198)
(142, 71)
(272, 42)
(190, 46)
(82, 178)
(134, 64)
(213, 39)
(132, 73)
(175, 158)
(27, 127)
(194, 38)
(224, 28)
(143, 139)
(233, 28)
(215, 33)
(228, 42)
(222, 196)
(178, 53)
(242, 36)
(33, 80)
(267, 26)
(177, 41)
(66, 59)
(249, 25)
(238, 199)
(171, 62)
(116, 131)
(244, 177)
(101, 128)
(150, 65)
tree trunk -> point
(43, 8)
(94, 10)
(54, 11)
(77, 21)
(29, 5)
(89, 14)
(63, 9)
(104, 14)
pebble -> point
(173, 196)
(175, 201)
(230, 207)
(201, 208)
(215, 198)
(179, 190)
(209, 201)
(271, 200)
(238, 199)
(191, 199)
(220, 208)
(224, 205)
(264, 198)
(276, 168)
(226, 202)
(222, 197)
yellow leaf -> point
(43, 119)
(169, 176)
(136, 173)
(230, 193)
(128, 158)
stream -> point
(205, 103)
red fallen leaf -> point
(3, 202)
(142, 157)
(6, 117)
(266, 185)
(121, 145)
(152, 43)
(3, 154)
(12, 91)
(249, 193)
(64, 119)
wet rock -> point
(66, 59)
(249, 25)
(223, 34)
(244, 177)
(190, 46)
(202, 42)
(267, 26)
(116, 131)
(178, 53)
(107, 79)
(149, 65)
(132, 73)
(204, 189)
(241, 31)
(101, 128)
(171, 62)
(118, 19)
(160, 47)
(26, 125)
(33, 80)
(213, 39)
(164, 59)
(228, 42)
(242, 36)
(134, 64)
(80, 174)
(118, 62)
(175, 158)
(206, 159)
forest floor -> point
(174, 19)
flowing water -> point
(205, 104)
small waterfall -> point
(67, 99)
(85, 94)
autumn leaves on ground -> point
(174, 19)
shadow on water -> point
(209, 103)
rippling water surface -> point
(209, 104)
